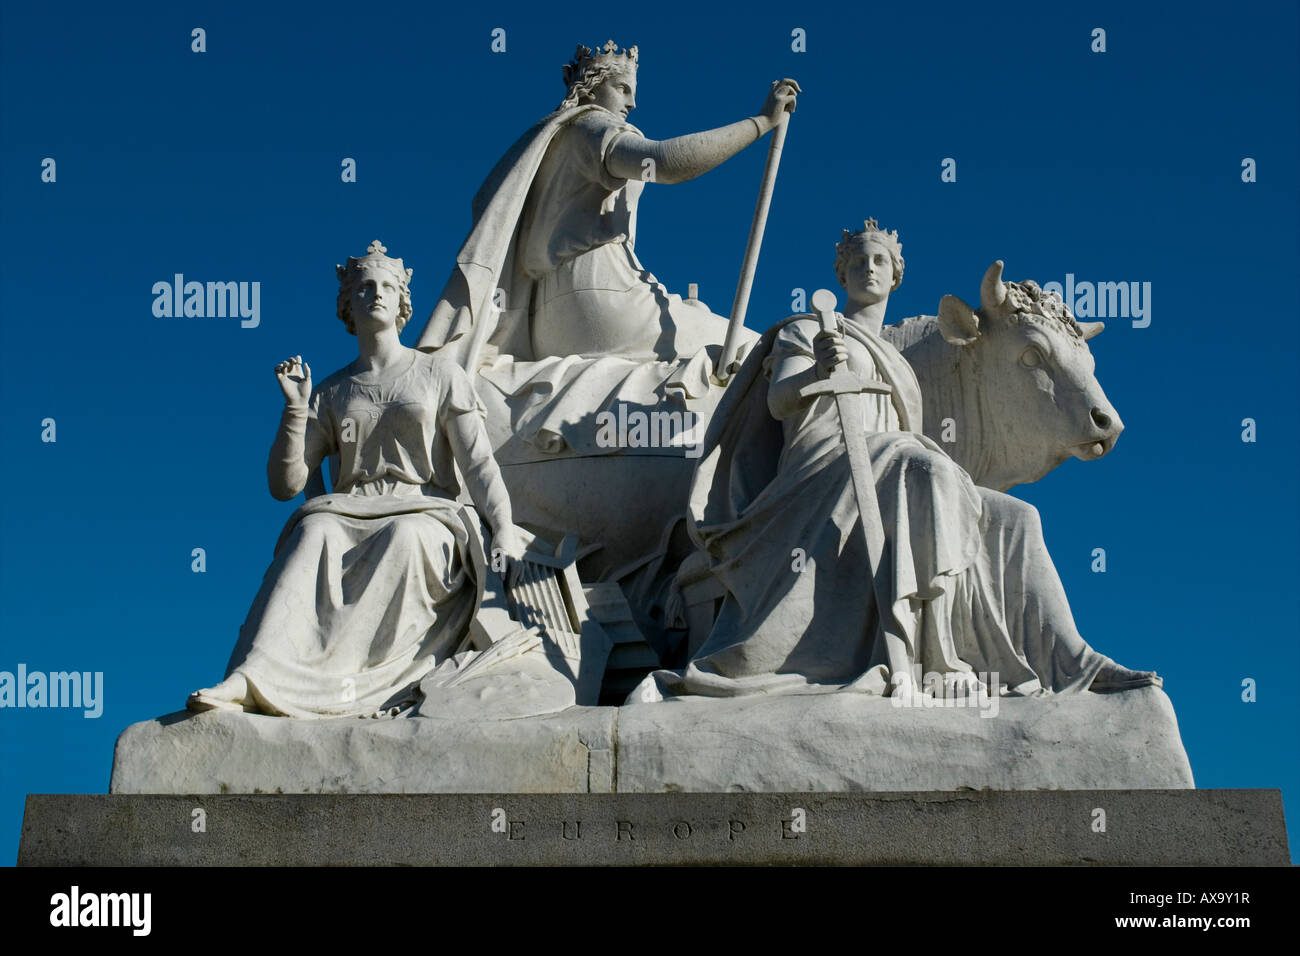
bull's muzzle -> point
(1108, 428)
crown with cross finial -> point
(375, 256)
(607, 56)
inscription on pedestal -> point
(1015, 828)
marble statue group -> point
(843, 526)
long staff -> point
(724, 371)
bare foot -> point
(231, 694)
(904, 691)
(1112, 676)
(964, 684)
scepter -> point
(722, 374)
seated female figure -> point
(966, 592)
(372, 586)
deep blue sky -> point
(225, 166)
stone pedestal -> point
(830, 742)
(834, 778)
(1014, 828)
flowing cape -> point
(464, 318)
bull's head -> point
(1034, 375)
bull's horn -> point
(992, 292)
(958, 323)
(1089, 329)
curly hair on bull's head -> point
(588, 70)
(1026, 301)
(853, 242)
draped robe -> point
(373, 585)
(967, 577)
(548, 302)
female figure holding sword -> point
(966, 586)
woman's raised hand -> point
(294, 376)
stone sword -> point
(843, 384)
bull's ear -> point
(1089, 329)
(958, 322)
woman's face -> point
(618, 94)
(376, 298)
(869, 274)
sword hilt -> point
(841, 381)
(823, 303)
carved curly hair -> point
(584, 87)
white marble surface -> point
(830, 742)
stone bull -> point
(1007, 391)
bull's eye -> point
(1032, 357)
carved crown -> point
(607, 56)
(375, 256)
(871, 232)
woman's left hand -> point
(513, 542)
